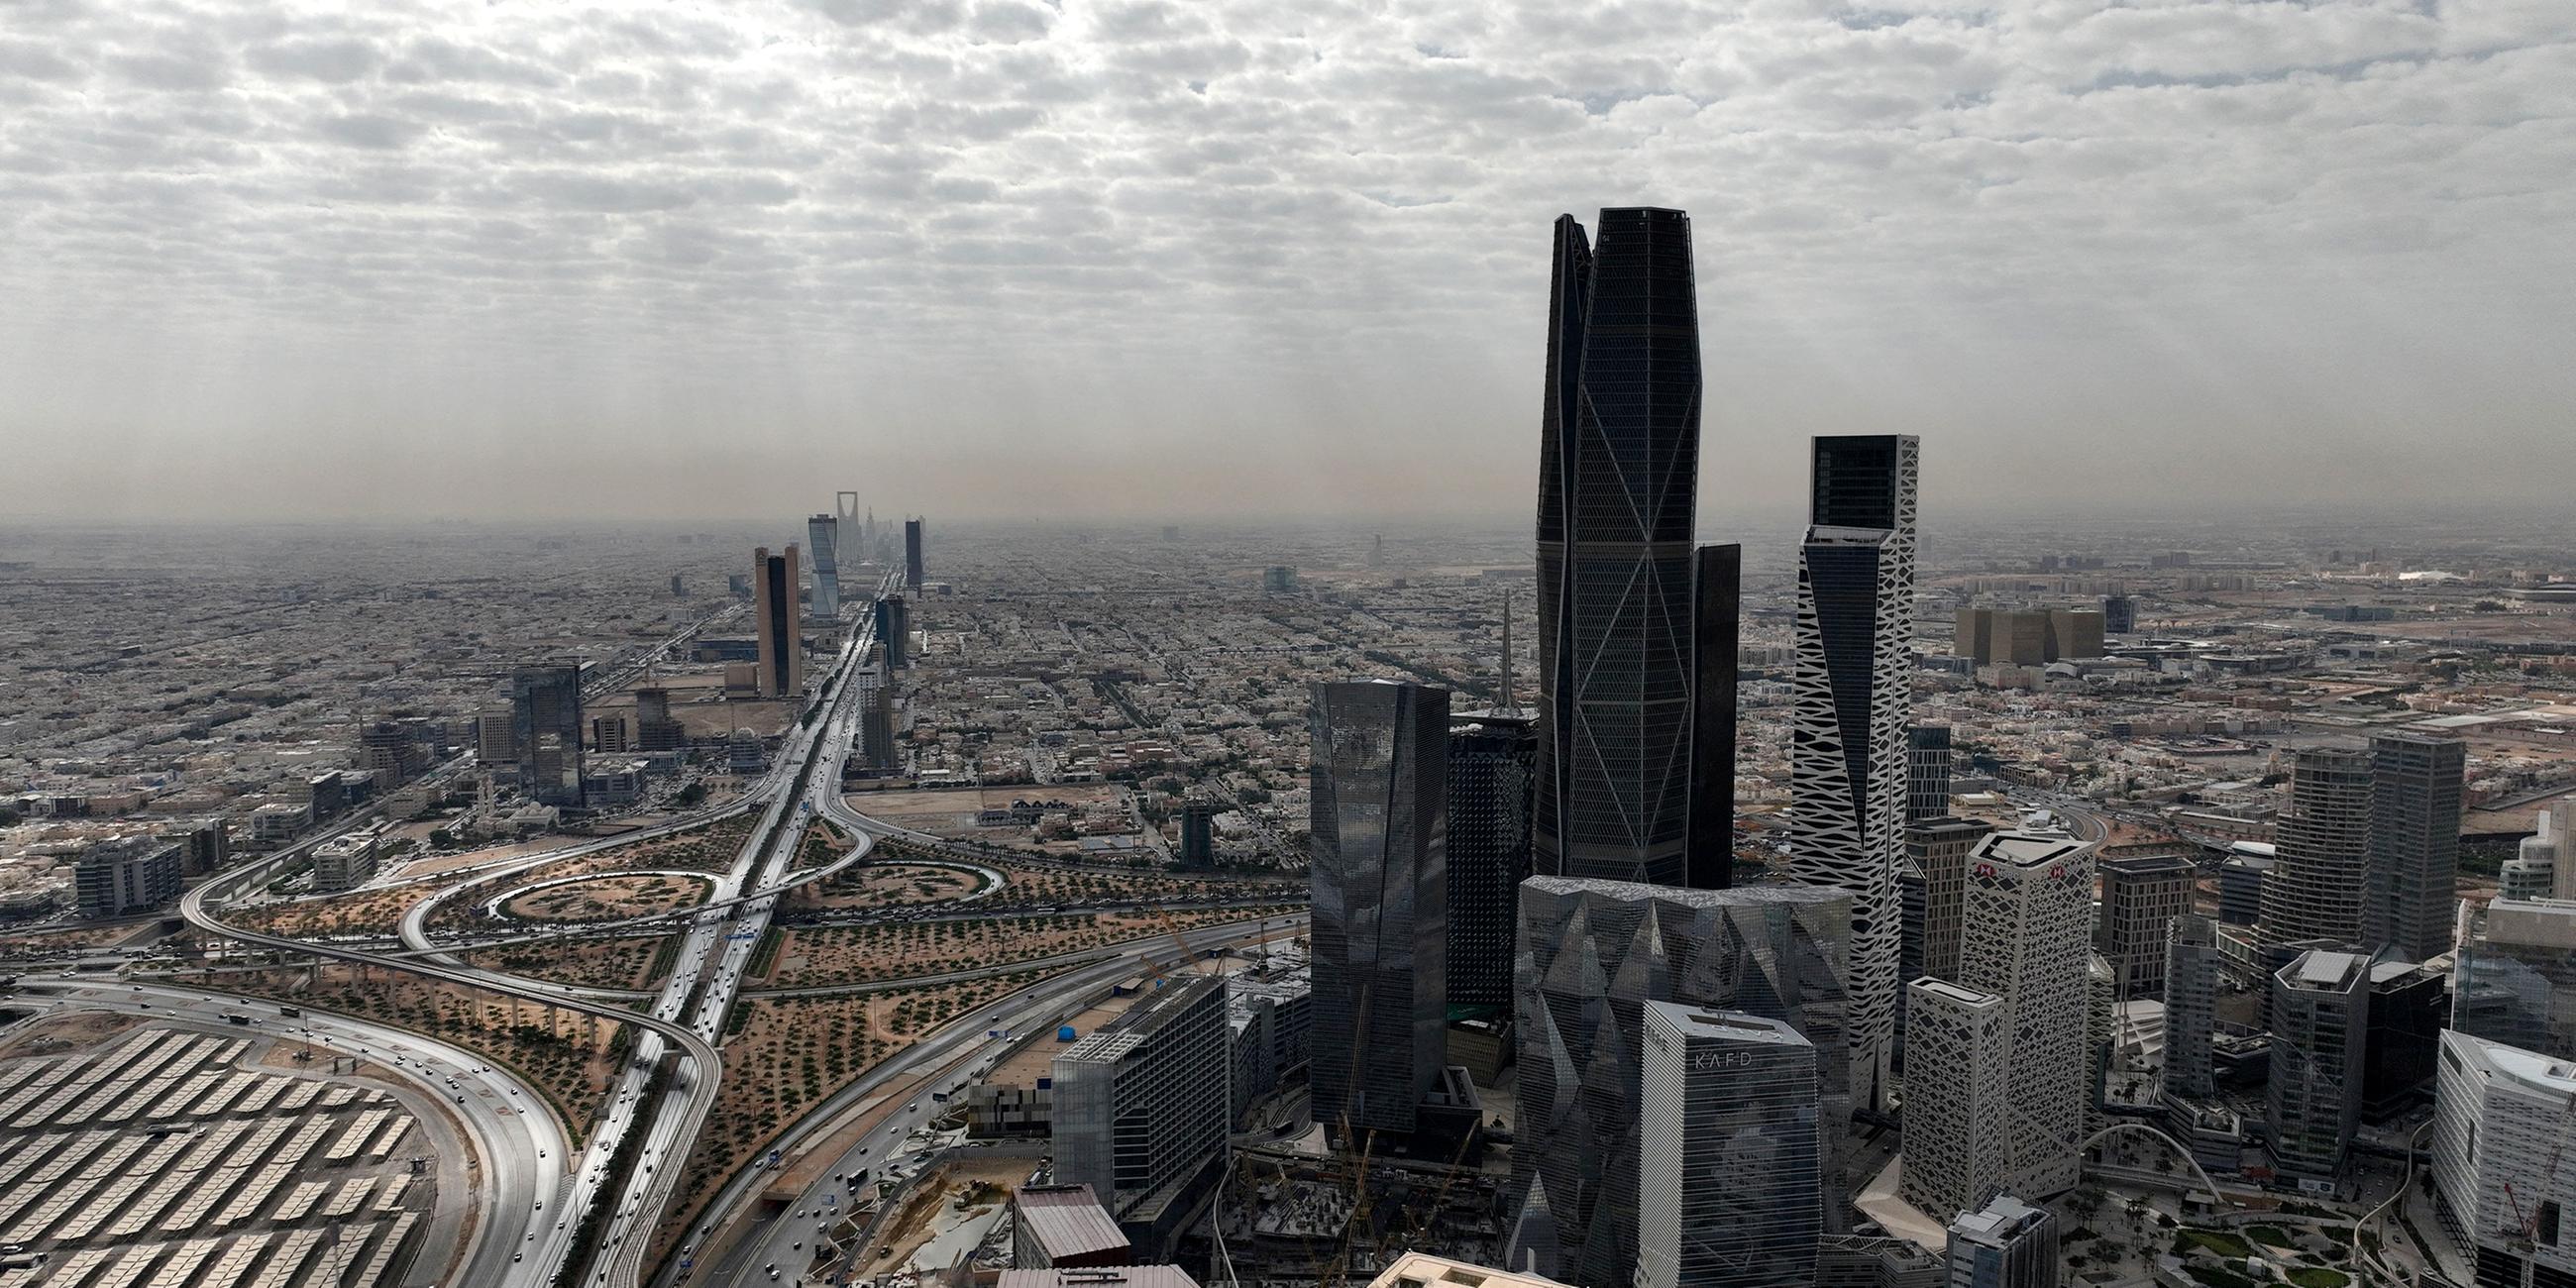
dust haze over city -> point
(1085, 644)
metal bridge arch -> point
(2160, 1136)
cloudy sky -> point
(1199, 257)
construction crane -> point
(2526, 1233)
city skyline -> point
(429, 853)
(437, 263)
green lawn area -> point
(2216, 1278)
(2218, 1241)
(2270, 1236)
(2319, 1277)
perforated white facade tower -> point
(2027, 936)
(1849, 741)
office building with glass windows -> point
(546, 730)
(1590, 955)
(1622, 593)
(1730, 1192)
(1380, 887)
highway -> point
(688, 1012)
(694, 1084)
(953, 1055)
(717, 949)
(518, 1144)
(551, 1245)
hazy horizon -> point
(991, 259)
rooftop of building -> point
(1735, 897)
(1422, 1270)
(1999, 1220)
(1133, 1029)
(2528, 1068)
(2029, 847)
(1100, 1277)
(1959, 993)
(1067, 1221)
(1732, 1026)
(2147, 865)
(2323, 971)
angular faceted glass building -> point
(1618, 490)
(1380, 886)
(1591, 955)
(823, 539)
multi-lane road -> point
(714, 951)
(946, 1061)
(685, 1019)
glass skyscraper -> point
(1379, 882)
(1490, 761)
(2416, 784)
(1730, 1194)
(823, 538)
(1591, 955)
(1618, 491)
(2515, 981)
(546, 726)
(1849, 748)
(2319, 888)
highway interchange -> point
(536, 1191)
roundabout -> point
(602, 896)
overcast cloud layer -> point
(1228, 256)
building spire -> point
(1505, 706)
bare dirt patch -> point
(888, 885)
(817, 955)
(77, 1031)
(610, 898)
(607, 963)
(570, 1057)
(783, 1056)
(71, 939)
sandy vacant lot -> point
(55, 1034)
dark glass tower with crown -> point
(1618, 491)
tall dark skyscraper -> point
(1490, 763)
(1380, 888)
(546, 726)
(912, 554)
(777, 620)
(894, 631)
(1717, 606)
(1848, 748)
(1618, 490)
(2416, 783)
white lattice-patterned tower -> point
(1849, 745)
